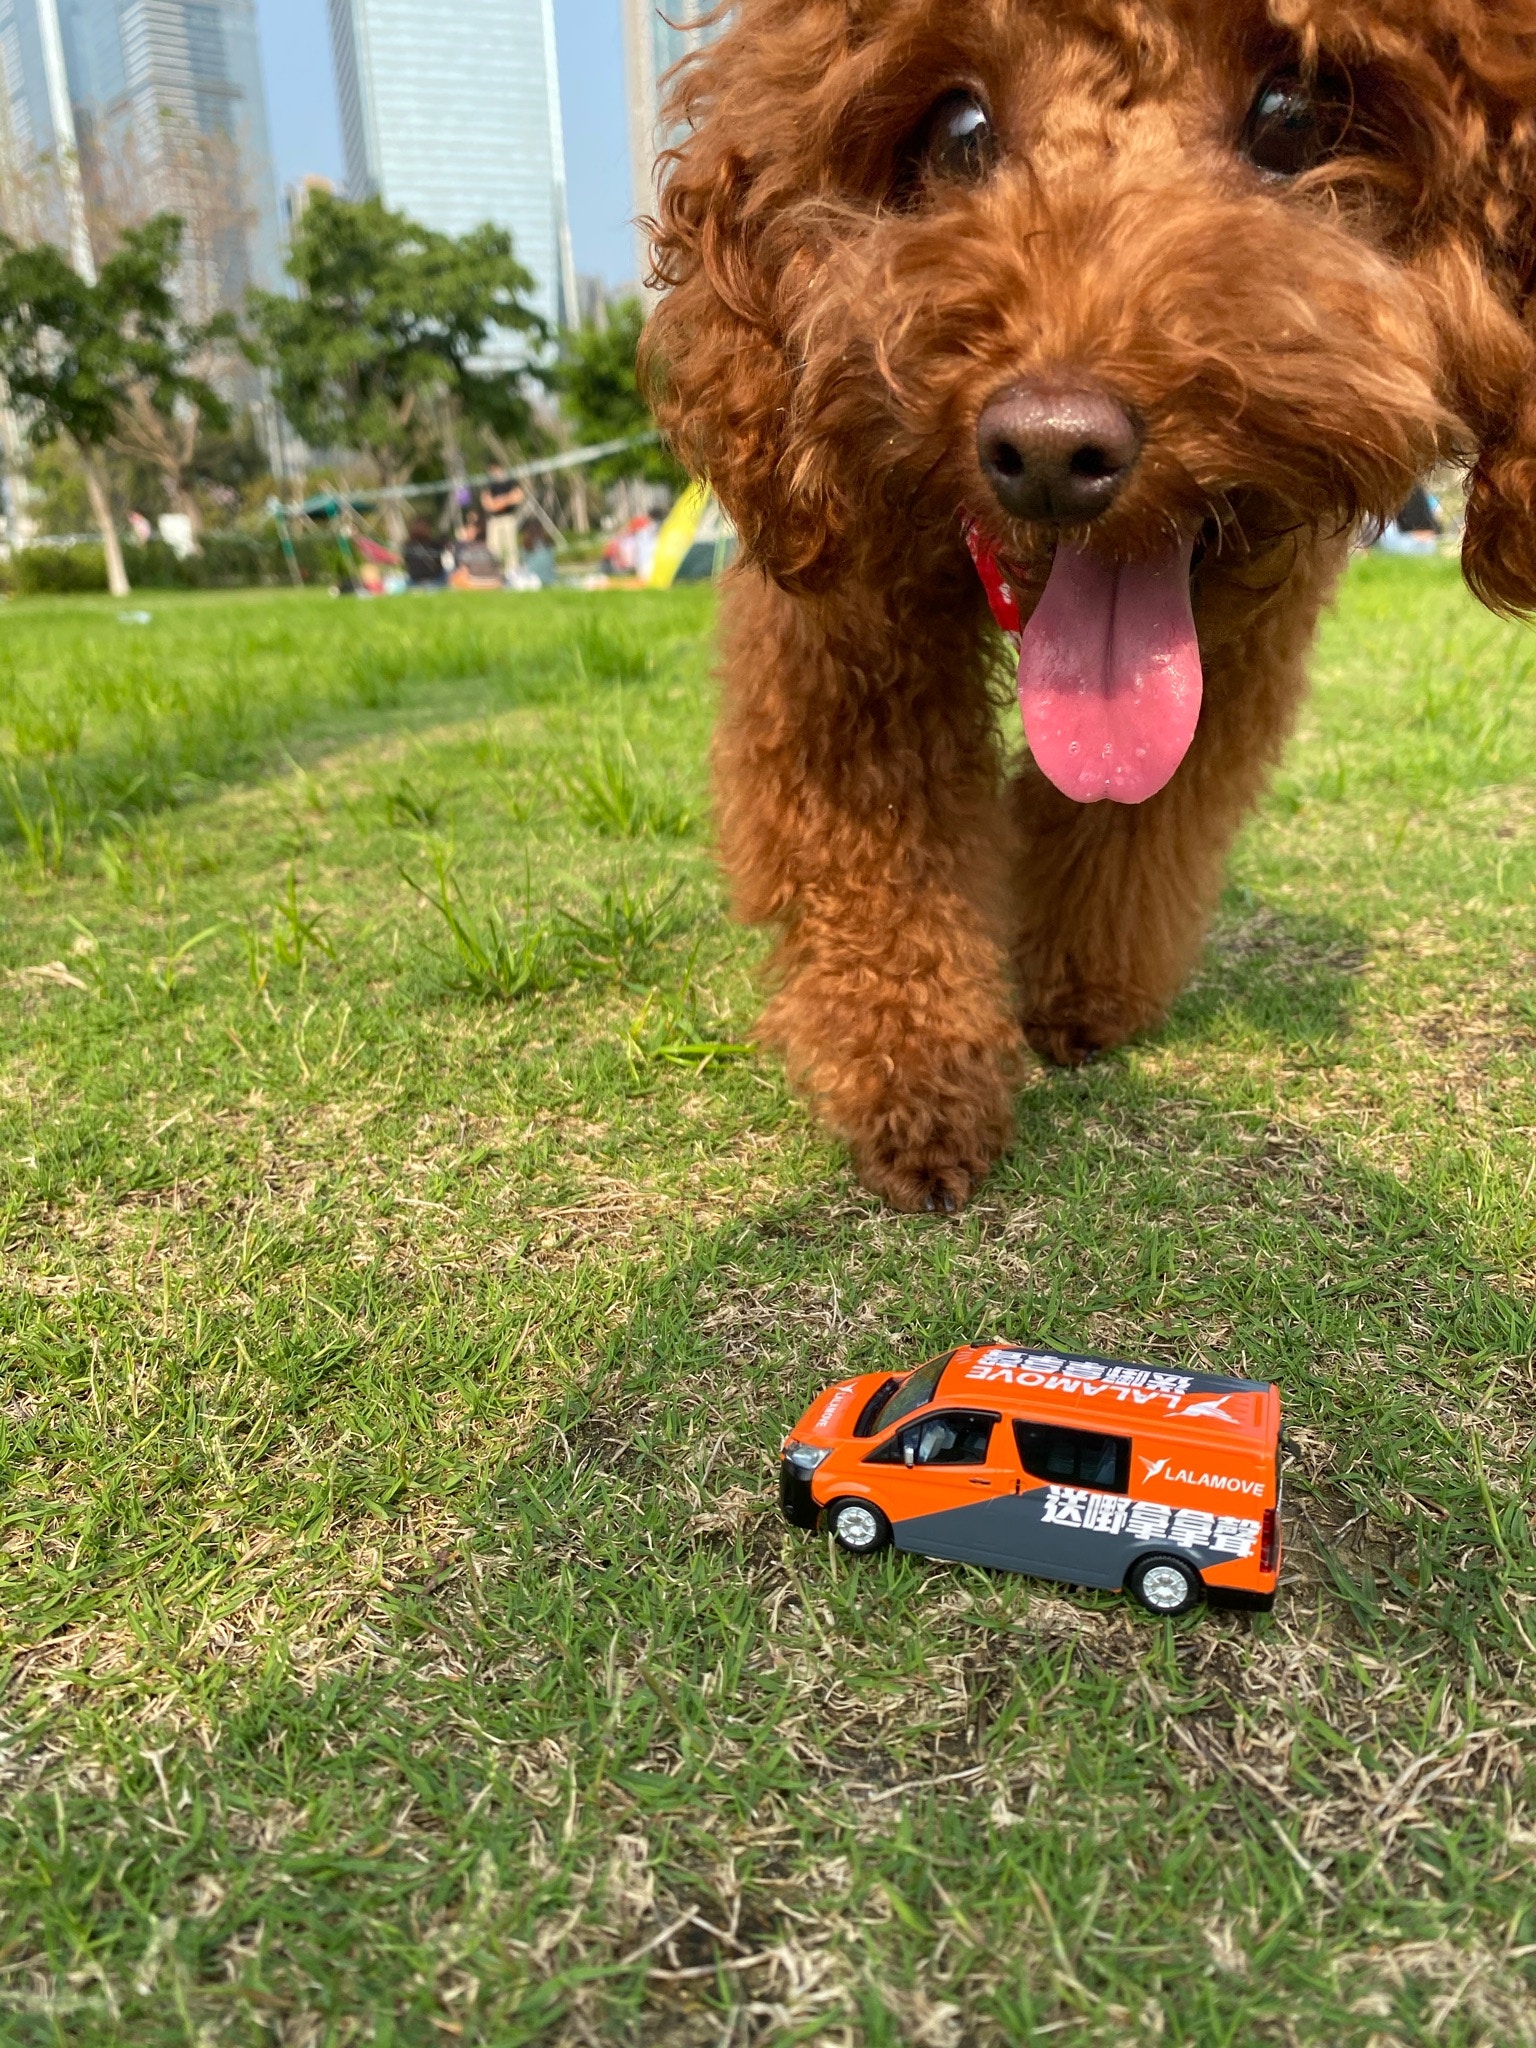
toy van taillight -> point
(1269, 1540)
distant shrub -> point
(228, 561)
(57, 572)
(234, 561)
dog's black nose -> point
(1056, 452)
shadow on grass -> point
(651, 1510)
(1137, 1223)
(1290, 976)
(623, 1695)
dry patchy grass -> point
(402, 1645)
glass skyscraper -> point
(452, 115)
(31, 204)
(161, 106)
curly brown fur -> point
(835, 319)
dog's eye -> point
(1295, 126)
(958, 141)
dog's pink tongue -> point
(1109, 675)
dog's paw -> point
(1072, 1031)
(919, 1184)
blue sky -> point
(306, 136)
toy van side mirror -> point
(909, 1454)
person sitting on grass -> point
(538, 555)
(1417, 528)
(424, 557)
(474, 566)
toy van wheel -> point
(859, 1526)
(1165, 1585)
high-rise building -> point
(39, 168)
(299, 192)
(452, 115)
(655, 38)
(139, 106)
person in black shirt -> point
(500, 502)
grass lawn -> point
(410, 1271)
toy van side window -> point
(1076, 1457)
(953, 1438)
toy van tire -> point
(1165, 1585)
(859, 1527)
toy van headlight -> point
(805, 1457)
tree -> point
(166, 439)
(599, 393)
(174, 167)
(178, 168)
(78, 357)
(384, 347)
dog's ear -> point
(717, 354)
(1498, 554)
(1495, 319)
(1496, 334)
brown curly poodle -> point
(1138, 308)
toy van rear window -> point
(1078, 1457)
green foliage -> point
(386, 328)
(71, 353)
(167, 972)
(609, 793)
(58, 501)
(232, 561)
(673, 1028)
(600, 395)
(225, 561)
(56, 572)
(408, 806)
(296, 930)
(622, 924)
(605, 651)
(500, 956)
(234, 458)
(42, 822)
(505, 956)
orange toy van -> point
(1072, 1467)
